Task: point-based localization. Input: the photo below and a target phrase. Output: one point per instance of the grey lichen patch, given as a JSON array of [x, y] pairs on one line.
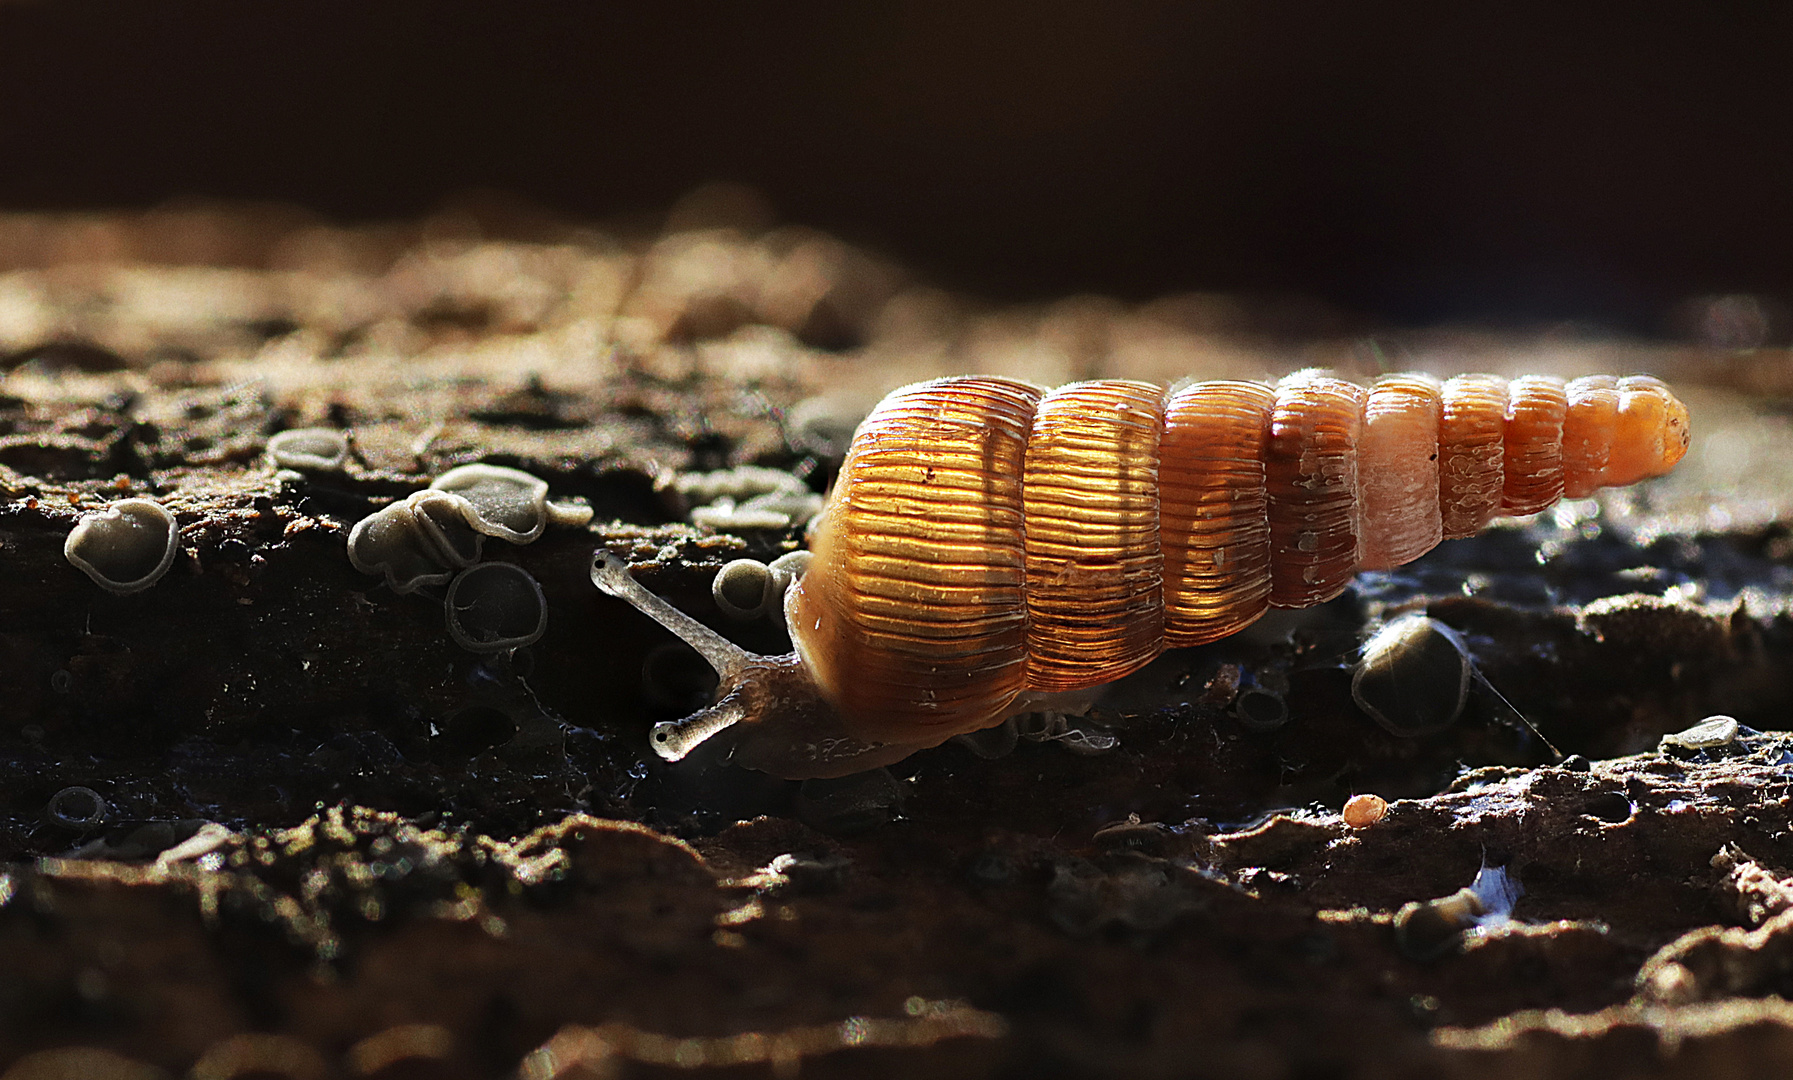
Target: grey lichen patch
[[309, 450], [507, 503], [495, 607], [760, 513], [126, 547], [739, 483], [419, 541], [748, 498]]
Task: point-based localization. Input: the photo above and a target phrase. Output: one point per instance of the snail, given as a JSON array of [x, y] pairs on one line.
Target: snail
[[991, 548]]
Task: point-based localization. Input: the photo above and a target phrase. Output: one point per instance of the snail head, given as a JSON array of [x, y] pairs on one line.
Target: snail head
[[768, 708]]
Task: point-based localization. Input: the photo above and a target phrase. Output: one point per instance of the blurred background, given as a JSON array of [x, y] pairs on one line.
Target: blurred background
[[1616, 169]]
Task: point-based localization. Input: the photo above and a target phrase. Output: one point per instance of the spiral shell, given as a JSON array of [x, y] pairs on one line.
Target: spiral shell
[[989, 544]]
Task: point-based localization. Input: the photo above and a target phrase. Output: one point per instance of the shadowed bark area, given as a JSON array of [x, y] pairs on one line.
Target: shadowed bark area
[[267, 814]]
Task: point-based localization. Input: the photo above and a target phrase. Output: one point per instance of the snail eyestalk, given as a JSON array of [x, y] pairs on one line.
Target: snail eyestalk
[[673, 739], [611, 576]]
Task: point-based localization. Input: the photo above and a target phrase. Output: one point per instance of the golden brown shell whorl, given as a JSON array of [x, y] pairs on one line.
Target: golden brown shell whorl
[[1089, 496], [1397, 471], [1589, 423], [1650, 432], [912, 616], [1532, 464], [1211, 510], [1311, 468], [1471, 447]]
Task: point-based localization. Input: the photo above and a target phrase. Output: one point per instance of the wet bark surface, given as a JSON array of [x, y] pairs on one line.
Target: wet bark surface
[[267, 817]]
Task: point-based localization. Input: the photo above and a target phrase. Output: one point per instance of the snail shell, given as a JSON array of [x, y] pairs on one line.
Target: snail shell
[[990, 545]]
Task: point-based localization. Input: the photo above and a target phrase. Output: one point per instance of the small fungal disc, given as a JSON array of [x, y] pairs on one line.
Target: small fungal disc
[[126, 547], [1414, 676], [744, 589], [1362, 811], [788, 568], [725, 516], [1711, 732], [576, 515], [1259, 709], [392, 543], [493, 607], [309, 450], [507, 503], [1426, 931], [77, 808]]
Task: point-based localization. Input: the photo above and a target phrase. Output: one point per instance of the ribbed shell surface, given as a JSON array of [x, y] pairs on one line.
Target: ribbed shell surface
[[1311, 468], [1532, 466], [1471, 449], [1089, 498], [1211, 497], [988, 541], [1397, 470], [913, 611], [1593, 412]]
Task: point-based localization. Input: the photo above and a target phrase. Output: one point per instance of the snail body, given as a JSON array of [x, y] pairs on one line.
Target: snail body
[[990, 546]]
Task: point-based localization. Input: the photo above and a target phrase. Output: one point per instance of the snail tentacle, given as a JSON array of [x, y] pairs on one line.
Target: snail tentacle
[[612, 576]]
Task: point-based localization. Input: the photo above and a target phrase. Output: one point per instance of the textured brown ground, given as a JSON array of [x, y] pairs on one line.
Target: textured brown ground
[[338, 845]]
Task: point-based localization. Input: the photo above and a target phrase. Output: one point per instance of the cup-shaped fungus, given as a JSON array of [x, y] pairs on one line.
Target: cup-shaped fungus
[[1414, 676], [747, 589], [494, 607], [419, 541], [309, 450], [743, 589], [79, 808], [507, 503], [445, 524], [126, 547]]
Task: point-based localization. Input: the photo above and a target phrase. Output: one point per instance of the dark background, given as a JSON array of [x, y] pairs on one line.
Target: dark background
[[1415, 161]]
